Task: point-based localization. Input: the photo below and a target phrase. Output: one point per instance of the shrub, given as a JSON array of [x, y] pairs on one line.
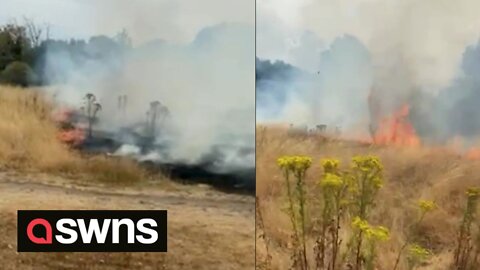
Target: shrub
[[416, 252], [297, 167], [18, 73], [334, 191], [352, 191]]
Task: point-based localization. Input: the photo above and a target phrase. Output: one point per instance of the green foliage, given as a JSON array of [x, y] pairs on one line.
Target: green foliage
[[366, 179], [349, 196], [15, 55], [334, 191], [14, 44], [29, 44], [373, 235], [416, 253], [465, 244], [18, 73], [297, 167], [6, 55], [342, 192]]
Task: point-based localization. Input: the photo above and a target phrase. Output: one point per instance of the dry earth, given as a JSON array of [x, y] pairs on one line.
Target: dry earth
[[207, 229]]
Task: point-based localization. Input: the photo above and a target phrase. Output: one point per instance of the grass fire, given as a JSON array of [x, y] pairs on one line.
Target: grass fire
[[152, 109], [367, 140]]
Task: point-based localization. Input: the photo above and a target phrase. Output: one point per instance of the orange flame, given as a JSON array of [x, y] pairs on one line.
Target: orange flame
[[397, 130], [473, 154], [73, 135]]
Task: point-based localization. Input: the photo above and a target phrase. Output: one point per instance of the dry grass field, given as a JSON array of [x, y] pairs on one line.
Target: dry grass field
[[29, 141], [208, 229], [410, 174]]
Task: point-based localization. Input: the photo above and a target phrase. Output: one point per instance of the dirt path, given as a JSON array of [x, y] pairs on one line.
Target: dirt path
[[207, 229]]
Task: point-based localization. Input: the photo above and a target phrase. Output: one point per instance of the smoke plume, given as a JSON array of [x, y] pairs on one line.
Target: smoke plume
[[207, 86], [420, 53]]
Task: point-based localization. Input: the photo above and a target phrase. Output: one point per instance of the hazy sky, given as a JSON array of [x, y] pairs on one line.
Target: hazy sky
[[173, 20], [431, 35]]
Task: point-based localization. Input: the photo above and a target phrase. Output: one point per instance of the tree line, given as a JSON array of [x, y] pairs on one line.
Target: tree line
[[26, 50]]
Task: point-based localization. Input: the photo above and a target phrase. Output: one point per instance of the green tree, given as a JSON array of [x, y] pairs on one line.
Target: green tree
[[18, 73]]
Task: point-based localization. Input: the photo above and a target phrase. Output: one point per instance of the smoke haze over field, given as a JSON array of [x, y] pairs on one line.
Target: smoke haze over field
[[428, 34], [410, 51], [195, 57], [206, 84], [331, 96], [177, 21]]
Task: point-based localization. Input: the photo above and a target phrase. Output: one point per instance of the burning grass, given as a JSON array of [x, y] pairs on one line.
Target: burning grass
[[396, 129], [29, 142], [411, 173]]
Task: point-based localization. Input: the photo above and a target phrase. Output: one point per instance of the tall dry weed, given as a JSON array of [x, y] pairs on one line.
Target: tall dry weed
[[412, 173], [29, 142]]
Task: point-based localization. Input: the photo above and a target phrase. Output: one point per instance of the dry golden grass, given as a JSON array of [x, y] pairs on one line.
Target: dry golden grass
[[410, 174], [29, 142], [207, 229], [28, 138], [113, 170]]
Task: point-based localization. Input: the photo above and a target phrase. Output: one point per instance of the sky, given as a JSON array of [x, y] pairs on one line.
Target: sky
[[173, 20], [431, 35]]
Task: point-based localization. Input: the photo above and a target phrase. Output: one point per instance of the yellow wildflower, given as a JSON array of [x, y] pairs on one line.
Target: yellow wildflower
[[380, 233], [294, 163], [426, 206], [473, 192], [331, 180], [360, 224], [302, 163], [367, 163], [330, 165], [377, 182], [375, 233], [371, 166], [283, 162], [418, 252]]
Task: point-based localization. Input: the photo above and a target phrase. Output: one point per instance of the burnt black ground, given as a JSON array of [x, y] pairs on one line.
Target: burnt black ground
[[241, 181]]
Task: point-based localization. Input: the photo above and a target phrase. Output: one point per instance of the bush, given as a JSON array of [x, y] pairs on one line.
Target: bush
[[18, 73], [347, 197]]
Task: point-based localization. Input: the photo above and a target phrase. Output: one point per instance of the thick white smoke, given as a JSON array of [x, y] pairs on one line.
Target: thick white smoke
[[207, 83], [431, 35]]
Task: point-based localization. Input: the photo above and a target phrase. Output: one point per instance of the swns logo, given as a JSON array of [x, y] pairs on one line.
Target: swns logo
[[91, 231]]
